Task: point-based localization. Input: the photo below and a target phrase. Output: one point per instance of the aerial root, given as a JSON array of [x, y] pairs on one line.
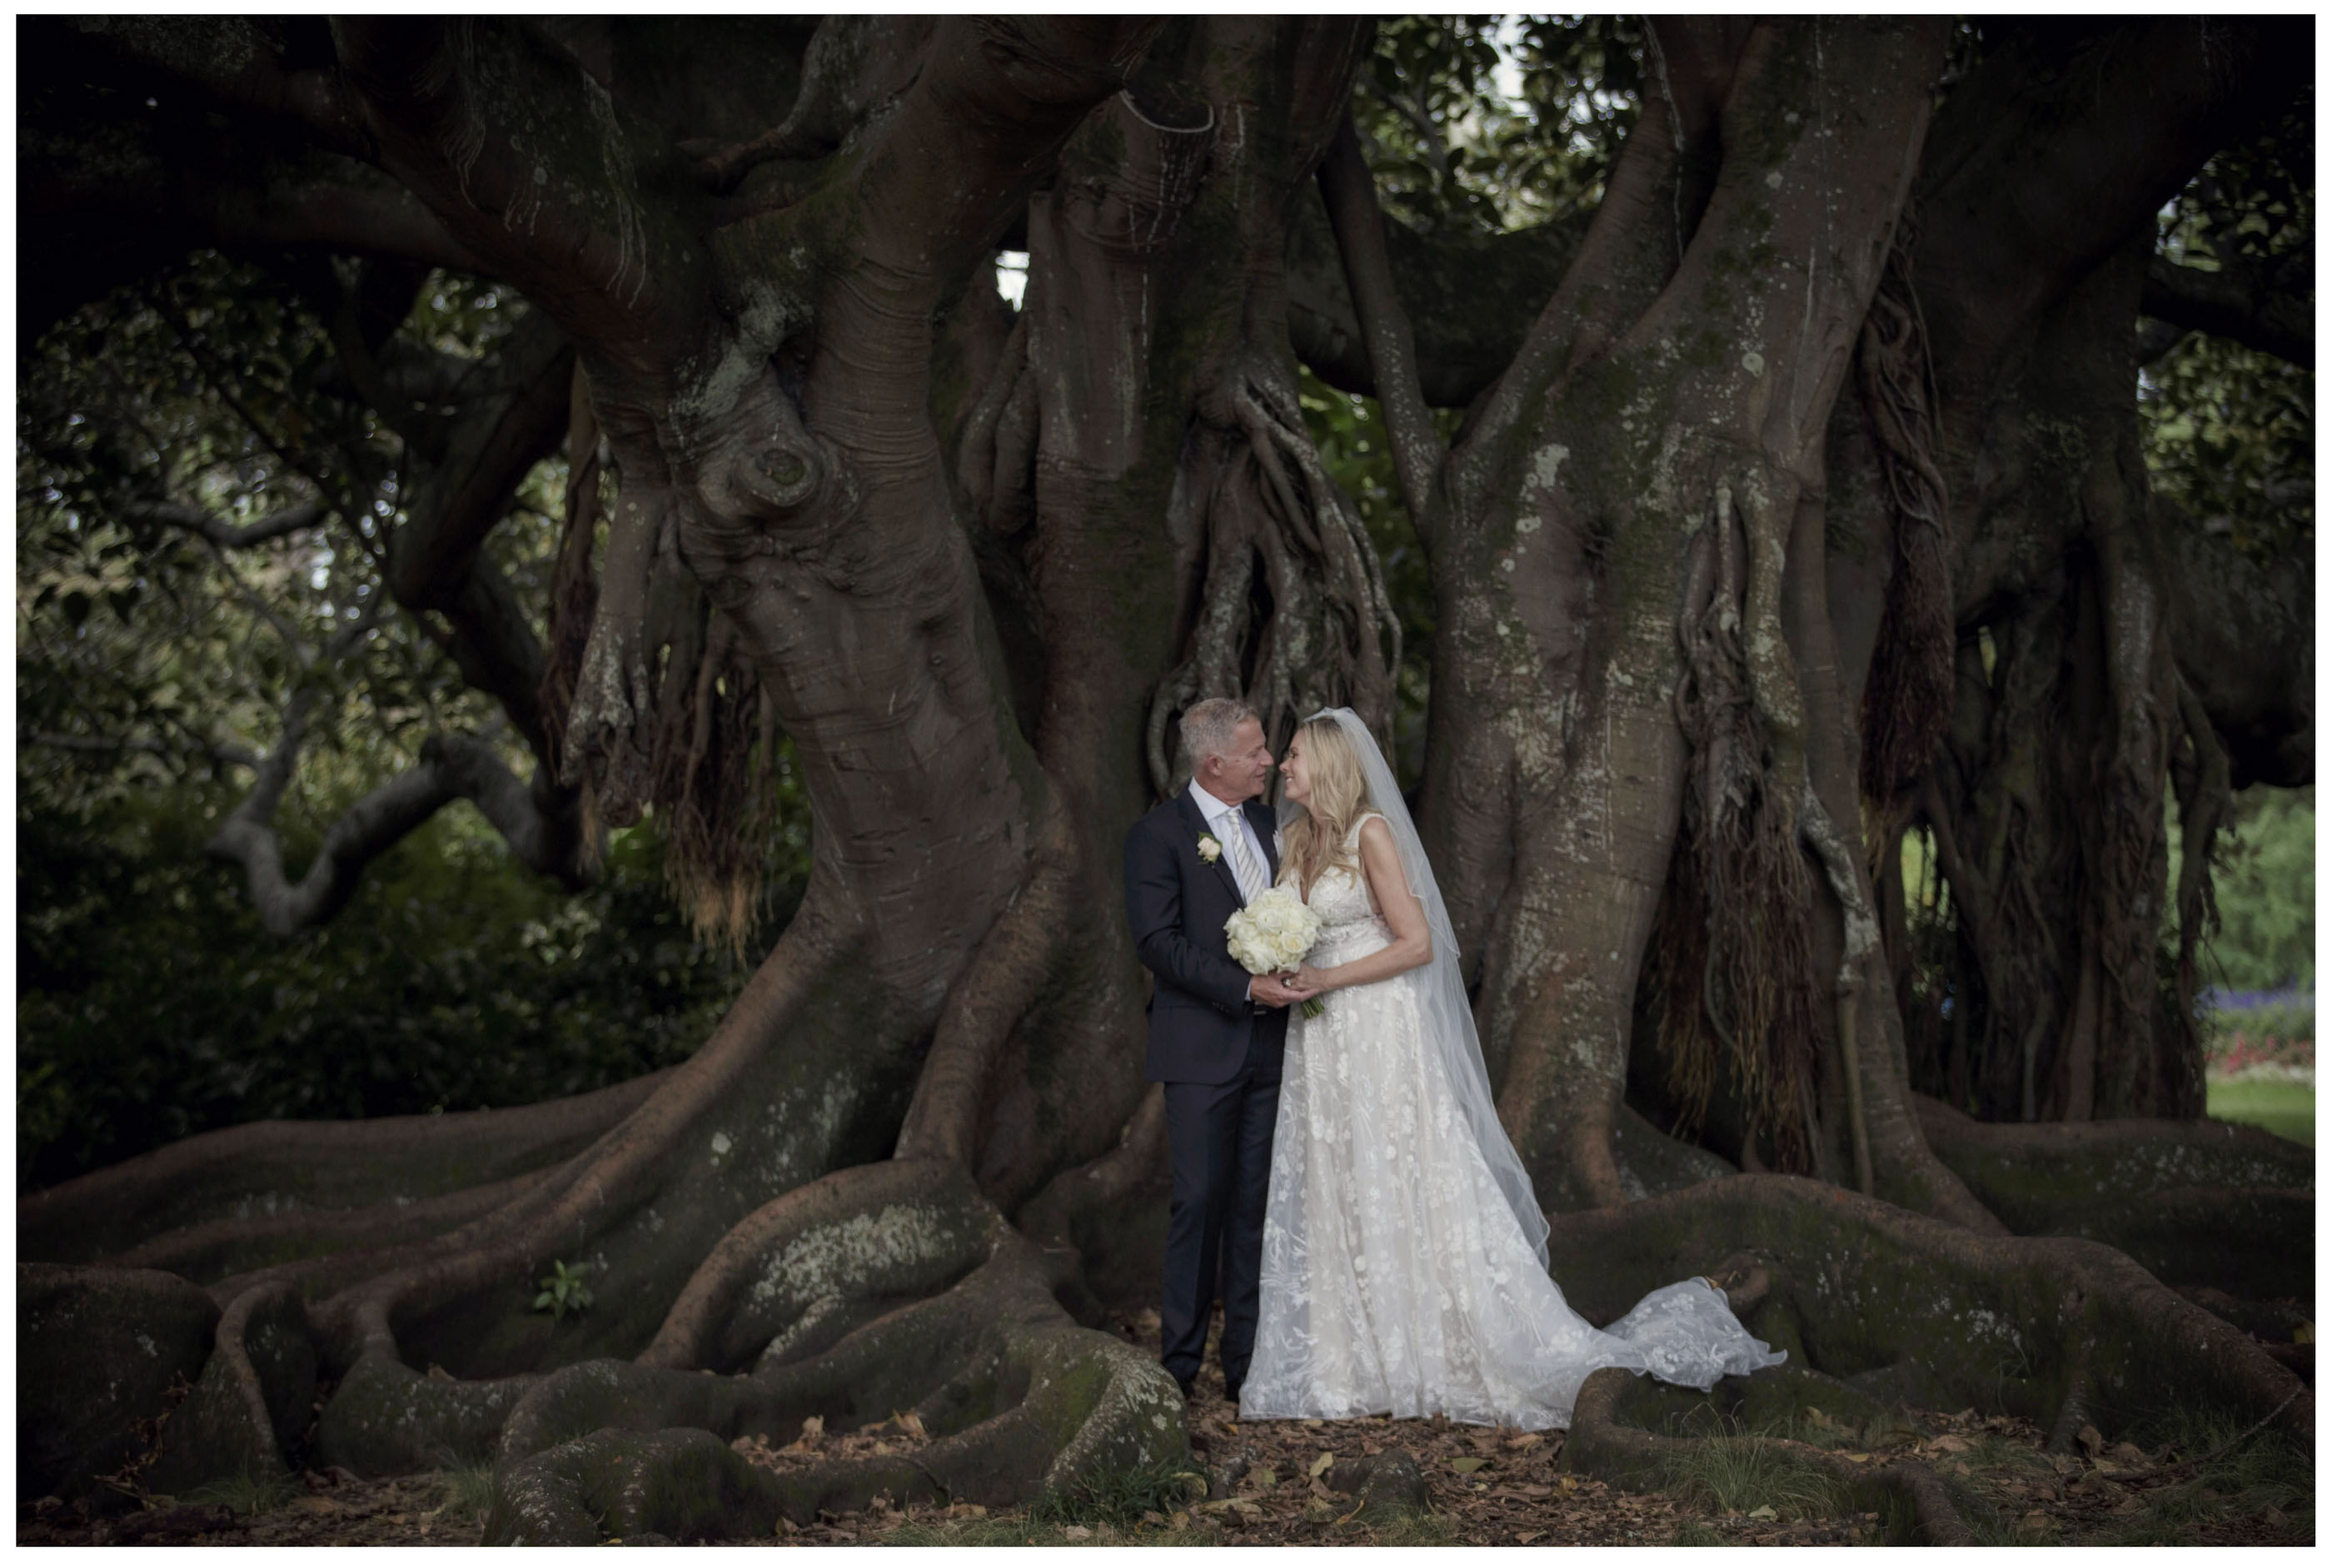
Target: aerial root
[[1331, 634]]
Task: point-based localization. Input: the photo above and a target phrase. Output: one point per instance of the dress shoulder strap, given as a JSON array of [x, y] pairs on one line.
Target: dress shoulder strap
[[1355, 836]]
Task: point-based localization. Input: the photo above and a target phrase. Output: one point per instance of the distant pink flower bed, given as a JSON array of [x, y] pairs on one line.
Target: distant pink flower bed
[[2234, 1052]]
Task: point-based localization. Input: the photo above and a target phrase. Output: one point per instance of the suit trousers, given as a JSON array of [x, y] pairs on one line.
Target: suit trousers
[[1219, 1135]]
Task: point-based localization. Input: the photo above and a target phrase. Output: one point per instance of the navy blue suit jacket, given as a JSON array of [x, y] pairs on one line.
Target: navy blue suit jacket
[[1201, 1023]]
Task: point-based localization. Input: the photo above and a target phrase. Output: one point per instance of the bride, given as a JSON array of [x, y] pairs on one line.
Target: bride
[[1404, 1258]]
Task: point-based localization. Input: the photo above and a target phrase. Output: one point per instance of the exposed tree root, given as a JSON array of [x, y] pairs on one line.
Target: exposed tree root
[[790, 1270], [97, 1350], [1603, 1442], [386, 1420], [638, 1175], [1020, 1399], [224, 1248], [984, 1004], [1110, 1214], [253, 1398], [1903, 1306], [2193, 1202], [245, 1175]]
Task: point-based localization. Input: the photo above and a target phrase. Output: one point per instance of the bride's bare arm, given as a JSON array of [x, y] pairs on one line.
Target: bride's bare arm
[[1412, 943]]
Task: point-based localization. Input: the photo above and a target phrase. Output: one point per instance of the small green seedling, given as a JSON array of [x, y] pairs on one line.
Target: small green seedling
[[563, 1290]]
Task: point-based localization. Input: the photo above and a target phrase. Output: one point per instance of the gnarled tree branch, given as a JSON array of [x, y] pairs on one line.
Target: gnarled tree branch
[[224, 534], [2235, 303], [452, 768]]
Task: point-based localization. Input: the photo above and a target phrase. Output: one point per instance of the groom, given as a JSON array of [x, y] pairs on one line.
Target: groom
[[1216, 1033]]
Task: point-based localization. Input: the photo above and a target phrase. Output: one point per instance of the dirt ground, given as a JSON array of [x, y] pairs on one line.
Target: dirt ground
[[1488, 1486]]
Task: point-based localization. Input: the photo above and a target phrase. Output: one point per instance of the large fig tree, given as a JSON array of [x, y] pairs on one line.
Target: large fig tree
[[1779, 493]]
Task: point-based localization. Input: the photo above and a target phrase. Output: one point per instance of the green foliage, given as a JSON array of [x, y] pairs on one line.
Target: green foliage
[[563, 1291], [215, 387], [152, 667], [2231, 432], [2266, 887], [1493, 122], [2230, 438], [151, 1005]]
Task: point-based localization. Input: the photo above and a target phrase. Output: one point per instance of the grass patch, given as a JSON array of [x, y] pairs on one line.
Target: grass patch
[[469, 1490], [1693, 1532], [1741, 1474], [1023, 1531], [1411, 1527], [1988, 1452], [246, 1493], [2286, 1110], [2265, 1478], [1121, 1497]]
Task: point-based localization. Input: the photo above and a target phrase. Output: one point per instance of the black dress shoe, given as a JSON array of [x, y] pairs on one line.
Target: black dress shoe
[[1188, 1388], [1231, 1391]]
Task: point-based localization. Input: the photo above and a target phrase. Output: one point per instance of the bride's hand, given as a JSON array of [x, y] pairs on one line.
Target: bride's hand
[[1311, 981]]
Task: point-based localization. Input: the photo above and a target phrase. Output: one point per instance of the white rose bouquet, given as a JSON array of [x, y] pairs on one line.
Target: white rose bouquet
[[1271, 936]]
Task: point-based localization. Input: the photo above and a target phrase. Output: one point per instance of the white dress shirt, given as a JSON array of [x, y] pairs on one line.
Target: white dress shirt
[[1227, 821]]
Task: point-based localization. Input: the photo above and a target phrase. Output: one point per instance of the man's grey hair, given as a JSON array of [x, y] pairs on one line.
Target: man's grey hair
[[1210, 727]]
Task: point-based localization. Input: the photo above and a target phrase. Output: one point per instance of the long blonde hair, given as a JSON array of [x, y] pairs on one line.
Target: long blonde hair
[[1314, 839]]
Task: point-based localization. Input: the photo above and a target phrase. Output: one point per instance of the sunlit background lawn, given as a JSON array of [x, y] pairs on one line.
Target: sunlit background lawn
[[2286, 1110]]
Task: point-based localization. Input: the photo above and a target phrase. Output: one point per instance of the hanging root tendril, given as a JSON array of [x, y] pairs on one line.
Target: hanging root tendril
[[1732, 967], [707, 764], [1907, 701], [1321, 631]]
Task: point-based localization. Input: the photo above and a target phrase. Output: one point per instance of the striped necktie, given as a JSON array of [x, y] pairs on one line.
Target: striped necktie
[[1243, 866]]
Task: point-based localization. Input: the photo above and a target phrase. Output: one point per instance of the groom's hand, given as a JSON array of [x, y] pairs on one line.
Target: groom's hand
[[1273, 992]]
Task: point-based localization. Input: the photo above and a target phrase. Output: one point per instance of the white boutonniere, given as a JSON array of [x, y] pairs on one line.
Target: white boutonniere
[[1210, 850]]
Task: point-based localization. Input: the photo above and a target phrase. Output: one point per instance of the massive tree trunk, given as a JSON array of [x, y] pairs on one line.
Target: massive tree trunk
[[971, 564]]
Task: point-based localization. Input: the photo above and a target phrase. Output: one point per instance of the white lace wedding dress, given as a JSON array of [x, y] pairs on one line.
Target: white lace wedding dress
[[1397, 1279]]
